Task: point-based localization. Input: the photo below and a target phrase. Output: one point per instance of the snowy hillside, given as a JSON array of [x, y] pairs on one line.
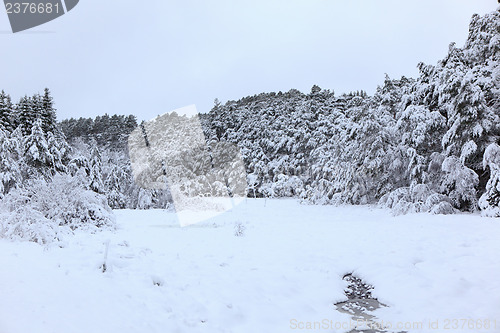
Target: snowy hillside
[[267, 266]]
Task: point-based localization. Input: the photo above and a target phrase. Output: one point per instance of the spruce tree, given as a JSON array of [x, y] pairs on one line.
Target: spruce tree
[[48, 112], [6, 110], [25, 115]]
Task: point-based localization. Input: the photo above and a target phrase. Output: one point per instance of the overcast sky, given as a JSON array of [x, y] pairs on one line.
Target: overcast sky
[[150, 57]]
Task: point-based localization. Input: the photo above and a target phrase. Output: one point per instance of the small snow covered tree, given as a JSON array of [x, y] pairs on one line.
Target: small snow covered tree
[[95, 171], [37, 152], [58, 150], [490, 200], [116, 199], [10, 163], [144, 199]]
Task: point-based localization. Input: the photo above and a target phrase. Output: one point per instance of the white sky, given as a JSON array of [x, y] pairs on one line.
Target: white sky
[[150, 57]]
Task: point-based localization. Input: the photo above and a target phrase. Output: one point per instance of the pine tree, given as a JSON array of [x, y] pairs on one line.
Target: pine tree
[[315, 90], [48, 112], [130, 123]]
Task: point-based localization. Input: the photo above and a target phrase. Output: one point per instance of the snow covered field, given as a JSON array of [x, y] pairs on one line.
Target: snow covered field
[[272, 266]]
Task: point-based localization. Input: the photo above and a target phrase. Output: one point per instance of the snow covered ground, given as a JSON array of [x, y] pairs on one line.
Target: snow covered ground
[[272, 266]]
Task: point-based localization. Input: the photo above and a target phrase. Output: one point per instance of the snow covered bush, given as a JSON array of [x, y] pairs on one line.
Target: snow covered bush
[[443, 208], [25, 223], [391, 199], [459, 184], [400, 201], [41, 210], [239, 229], [286, 186], [415, 199], [322, 193], [490, 200]]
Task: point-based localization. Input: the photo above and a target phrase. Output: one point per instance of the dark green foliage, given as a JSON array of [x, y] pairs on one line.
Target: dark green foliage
[[109, 132]]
